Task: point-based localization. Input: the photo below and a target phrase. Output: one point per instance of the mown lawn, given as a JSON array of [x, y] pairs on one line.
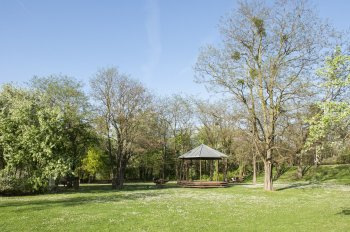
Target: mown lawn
[[142, 207]]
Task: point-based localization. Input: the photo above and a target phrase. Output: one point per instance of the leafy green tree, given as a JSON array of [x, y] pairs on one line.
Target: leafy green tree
[[66, 94], [334, 109], [92, 163], [28, 139]]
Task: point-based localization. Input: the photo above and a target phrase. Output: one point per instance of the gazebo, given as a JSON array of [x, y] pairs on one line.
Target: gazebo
[[199, 154]]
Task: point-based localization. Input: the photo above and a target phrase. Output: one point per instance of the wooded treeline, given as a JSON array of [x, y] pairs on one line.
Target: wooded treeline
[[283, 75]]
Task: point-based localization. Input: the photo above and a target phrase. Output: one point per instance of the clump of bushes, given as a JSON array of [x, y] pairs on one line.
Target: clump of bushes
[[11, 184], [344, 159]]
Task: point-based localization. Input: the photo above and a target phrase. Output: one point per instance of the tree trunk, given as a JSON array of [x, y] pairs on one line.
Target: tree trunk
[[176, 160], [111, 159], [268, 172], [76, 182], [300, 167], [164, 159], [121, 173], [114, 178], [121, 178], [317, 158], [241, 169], [254, 168]]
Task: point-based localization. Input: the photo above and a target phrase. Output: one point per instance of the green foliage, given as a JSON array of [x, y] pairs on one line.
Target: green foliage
[[284, 38], [93, 161], [253, 73], [74, 130], [10, 184], [44, 133], [333, 110], [236, 55], [240, 81], [28, 139], [344, 159], [259, 25]]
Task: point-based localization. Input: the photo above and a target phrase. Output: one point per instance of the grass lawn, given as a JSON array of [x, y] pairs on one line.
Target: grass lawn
[[142, 207]]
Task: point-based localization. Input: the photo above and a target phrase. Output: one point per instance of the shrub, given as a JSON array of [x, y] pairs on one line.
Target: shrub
[[344, 159], [11, 184]]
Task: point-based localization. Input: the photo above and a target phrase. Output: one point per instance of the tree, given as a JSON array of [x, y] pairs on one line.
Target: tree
[[66, 95], [29, 141], [334, 109], [180, 119], [264, 63], [92, 162], [216, 128], [163, 133], [123, 104]]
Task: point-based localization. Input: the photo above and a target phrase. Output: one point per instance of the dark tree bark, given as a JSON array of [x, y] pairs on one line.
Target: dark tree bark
[[254, 168]]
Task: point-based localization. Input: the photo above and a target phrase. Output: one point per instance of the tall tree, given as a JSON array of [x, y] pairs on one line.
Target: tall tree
[[334, 109], [123, 103], [180, 118], [31, 137], [66, 94], [265, 60]]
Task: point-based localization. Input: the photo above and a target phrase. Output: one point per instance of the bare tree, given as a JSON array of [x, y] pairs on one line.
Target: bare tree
[[216, 127], [180, 119], [265, 61], [123, 103]]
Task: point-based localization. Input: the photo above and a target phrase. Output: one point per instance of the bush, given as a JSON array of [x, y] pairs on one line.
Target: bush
[[330, 160], [344, 159], [12, 185], [9, 185]]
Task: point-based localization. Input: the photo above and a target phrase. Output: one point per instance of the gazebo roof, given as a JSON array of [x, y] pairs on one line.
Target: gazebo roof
[[203, 152]]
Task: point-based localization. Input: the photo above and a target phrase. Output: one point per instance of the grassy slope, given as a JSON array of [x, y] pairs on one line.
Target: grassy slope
[[335, 174], [142, 207]]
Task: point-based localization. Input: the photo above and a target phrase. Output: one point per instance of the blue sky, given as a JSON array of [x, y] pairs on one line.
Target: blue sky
[[156, 42]]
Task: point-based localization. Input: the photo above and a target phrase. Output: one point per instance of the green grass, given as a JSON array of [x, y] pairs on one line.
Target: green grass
[[142, 207], [339, 174], [334, 174]]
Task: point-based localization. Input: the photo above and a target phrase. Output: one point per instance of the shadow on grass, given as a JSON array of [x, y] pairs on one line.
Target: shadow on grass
[[87, 194], [45, 204], [344, 212], [103, 188], [128, 187], [292, 186]]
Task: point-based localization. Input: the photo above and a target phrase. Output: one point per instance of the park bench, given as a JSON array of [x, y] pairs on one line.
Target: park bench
[[159, 181], [237, 179]]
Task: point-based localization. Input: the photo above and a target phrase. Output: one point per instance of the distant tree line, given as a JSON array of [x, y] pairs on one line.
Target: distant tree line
[[283, 76]]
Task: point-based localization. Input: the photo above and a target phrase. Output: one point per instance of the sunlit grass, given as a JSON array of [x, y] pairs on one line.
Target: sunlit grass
[[335, 174], [143, 207]]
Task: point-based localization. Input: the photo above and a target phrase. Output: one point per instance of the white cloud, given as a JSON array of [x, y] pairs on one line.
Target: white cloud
[[21, 4], [154, 39]]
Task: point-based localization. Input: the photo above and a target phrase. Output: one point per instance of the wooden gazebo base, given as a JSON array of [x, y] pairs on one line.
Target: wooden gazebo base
[[202, 184]]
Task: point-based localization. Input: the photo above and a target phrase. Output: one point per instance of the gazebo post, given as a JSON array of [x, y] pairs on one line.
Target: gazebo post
[[187, 171], [225, 170], [217, 176], [182, 170]]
